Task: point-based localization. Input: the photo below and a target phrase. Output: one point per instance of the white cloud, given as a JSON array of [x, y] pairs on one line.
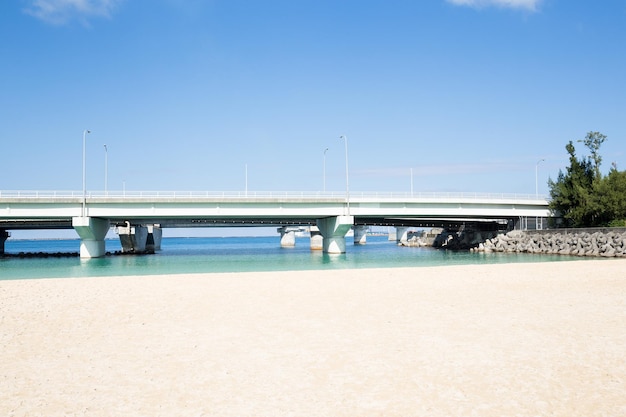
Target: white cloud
[[530, 5], [59, 12]]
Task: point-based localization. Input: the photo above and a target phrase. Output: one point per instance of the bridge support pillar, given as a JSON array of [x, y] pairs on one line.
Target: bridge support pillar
[[133, 239], [334, 231], [360, 235], [153, 241], [92, 231], [4, 235], [287, 236], [317, 240], [402, 234]]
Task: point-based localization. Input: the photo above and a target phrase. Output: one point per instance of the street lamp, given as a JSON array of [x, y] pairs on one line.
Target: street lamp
[[324, 172], [345, 139], [106, 168], [536, 183], [84, 172]]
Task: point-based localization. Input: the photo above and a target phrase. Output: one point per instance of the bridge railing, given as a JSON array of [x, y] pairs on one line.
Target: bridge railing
[[38, 194]]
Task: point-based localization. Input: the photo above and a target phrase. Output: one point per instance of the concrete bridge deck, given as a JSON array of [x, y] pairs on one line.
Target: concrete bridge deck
[[70, 209]]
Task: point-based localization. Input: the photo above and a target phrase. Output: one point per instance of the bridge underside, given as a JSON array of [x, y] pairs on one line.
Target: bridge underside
[[36, 224], [445, 223], [448, 223]]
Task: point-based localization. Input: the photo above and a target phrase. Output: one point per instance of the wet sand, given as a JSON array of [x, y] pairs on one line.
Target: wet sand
[[544, 339]]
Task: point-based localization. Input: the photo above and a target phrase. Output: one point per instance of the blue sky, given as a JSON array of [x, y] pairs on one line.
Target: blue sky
[[468, 95]]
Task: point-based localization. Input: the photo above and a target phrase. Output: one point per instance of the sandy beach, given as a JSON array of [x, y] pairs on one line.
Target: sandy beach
[[542, 339]]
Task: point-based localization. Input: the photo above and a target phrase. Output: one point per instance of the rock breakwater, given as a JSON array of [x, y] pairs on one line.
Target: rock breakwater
[[465, 239], [601, 243]]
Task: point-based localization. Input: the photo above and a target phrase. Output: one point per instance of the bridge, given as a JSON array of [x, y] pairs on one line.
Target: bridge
[[333, 213]]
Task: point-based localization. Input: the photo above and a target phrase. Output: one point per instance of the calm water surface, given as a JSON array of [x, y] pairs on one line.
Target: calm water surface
[[235, 254]]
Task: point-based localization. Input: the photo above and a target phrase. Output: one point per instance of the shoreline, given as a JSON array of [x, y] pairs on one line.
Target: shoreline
[[525, 339]]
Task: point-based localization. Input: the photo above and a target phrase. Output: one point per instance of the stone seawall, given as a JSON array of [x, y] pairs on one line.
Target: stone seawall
[[574, 242]]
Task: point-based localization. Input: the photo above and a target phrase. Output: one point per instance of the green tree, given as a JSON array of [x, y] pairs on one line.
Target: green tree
[[582, 196], [571, 193], [593, 141], [611, 197]]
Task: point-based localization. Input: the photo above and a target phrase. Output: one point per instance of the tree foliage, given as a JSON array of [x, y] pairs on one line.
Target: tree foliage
[[593, 141], [611, 192], [582, 196]]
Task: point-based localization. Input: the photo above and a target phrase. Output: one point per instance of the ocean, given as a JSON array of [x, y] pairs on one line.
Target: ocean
[[234, 254]]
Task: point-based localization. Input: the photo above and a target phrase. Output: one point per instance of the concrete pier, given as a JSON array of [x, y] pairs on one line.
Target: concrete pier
[[317, 240], [360, 235], [92, 231], [153, 241], [334, 231], [287, 236], [402, 234], [4, 235], [133, 238]]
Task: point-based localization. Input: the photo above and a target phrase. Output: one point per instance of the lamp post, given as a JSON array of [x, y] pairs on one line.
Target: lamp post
[[536, 181], [84, 171], [324, 171], [106, 169], [345, 139]]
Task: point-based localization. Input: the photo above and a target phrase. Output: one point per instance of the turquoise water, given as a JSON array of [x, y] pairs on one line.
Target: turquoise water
[[235, 254]]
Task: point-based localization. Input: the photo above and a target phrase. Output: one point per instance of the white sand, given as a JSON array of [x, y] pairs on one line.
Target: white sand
[[546, 339]]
